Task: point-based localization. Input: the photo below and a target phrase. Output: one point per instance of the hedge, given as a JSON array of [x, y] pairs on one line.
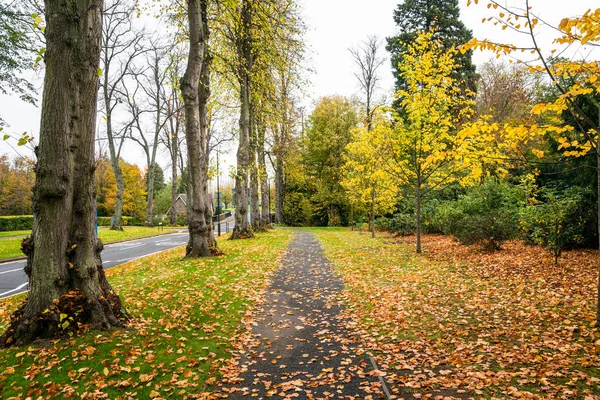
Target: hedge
[[105, 221], [16, 223]]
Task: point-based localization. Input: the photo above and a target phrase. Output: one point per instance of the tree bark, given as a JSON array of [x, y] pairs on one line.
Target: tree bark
[[262, 173], [279, 187], [199, 229], [242, 227], [418, 213], [63, 250], [598, 216], [149, 195], [174, 150], [254, 188], [203, 95]]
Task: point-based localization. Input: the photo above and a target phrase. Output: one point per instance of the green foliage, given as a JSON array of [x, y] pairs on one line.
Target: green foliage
[[17, 50], [162, 200], [487, 215], [16, 223], [329, 132], [159, 179], [559, 221], [412, 16], [400, 224], [297, 210]]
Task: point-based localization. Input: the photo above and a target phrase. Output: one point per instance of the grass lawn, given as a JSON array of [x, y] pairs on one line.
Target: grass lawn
[[11, 247], [510, 325], [186, 317]]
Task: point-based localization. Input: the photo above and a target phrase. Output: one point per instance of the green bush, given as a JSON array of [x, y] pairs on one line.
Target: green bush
[[105, 221], [297, 210], [560, 221], [486, 215], [400, 224], [16, 223]]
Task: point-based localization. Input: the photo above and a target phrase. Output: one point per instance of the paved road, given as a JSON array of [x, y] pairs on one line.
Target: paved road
[[13, 279]]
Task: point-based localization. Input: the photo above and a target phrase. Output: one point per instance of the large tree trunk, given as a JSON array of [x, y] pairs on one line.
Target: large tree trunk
[[372, 210], [598, 216], [63, 250], [254, 192], [198, 245], [204, 95], [242, 227]]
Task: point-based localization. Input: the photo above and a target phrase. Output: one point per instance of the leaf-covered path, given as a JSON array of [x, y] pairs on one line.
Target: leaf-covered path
[[301, 347]]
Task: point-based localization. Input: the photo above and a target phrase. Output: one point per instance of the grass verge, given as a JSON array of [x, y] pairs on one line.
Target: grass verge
[[11, 247], [465, 329], [186, 314]]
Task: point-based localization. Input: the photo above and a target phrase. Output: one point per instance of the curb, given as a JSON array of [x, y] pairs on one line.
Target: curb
[[9, 260]]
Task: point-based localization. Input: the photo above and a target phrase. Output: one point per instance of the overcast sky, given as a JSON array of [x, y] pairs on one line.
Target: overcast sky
[[333, 27]]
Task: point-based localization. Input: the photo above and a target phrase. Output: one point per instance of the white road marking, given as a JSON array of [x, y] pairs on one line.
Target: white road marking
[[15, 289], [11, 270], [12, 262]]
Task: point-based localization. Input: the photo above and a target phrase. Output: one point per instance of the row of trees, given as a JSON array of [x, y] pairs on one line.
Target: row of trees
[[235, 54]]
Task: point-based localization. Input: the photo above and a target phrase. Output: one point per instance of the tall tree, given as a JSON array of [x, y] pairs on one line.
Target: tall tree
[[426, 147], [413, 16], [194, 97], [329, 132], [122, 44], [63, 252], [149, 86], [367, 59]]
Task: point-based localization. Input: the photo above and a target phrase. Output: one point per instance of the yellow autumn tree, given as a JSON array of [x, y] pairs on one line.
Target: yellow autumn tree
[[366, 180], [577, 81], [427, 149]]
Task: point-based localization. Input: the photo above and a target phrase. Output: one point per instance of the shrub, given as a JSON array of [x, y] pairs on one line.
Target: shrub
[[559, 222], [297, 210], [402, 224], [16, 223], [486, 215]]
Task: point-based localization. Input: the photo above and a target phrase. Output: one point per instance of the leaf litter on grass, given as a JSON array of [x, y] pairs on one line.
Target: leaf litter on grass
[[458, 323], [185, 316]]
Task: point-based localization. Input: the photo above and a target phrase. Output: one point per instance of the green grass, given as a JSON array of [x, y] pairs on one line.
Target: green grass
[[186, 319], [11, 247], [14, 233]]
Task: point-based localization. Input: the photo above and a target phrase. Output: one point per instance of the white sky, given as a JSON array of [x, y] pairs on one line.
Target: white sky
[[335, 26]]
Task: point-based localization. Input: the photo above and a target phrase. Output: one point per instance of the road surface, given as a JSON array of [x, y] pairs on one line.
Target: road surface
[[13, 279]]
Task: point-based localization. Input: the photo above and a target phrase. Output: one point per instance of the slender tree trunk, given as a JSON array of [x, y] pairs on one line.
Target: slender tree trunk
[[418, 214], [198, 245], [63, 251], [262, 173], [117, 219], [204, 95], [150, 195], [279, 188], [254, 189], [174, 151], [373, 210], [242, 227]]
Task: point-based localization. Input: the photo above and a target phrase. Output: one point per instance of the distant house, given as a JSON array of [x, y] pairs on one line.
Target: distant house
[[181, 205]]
